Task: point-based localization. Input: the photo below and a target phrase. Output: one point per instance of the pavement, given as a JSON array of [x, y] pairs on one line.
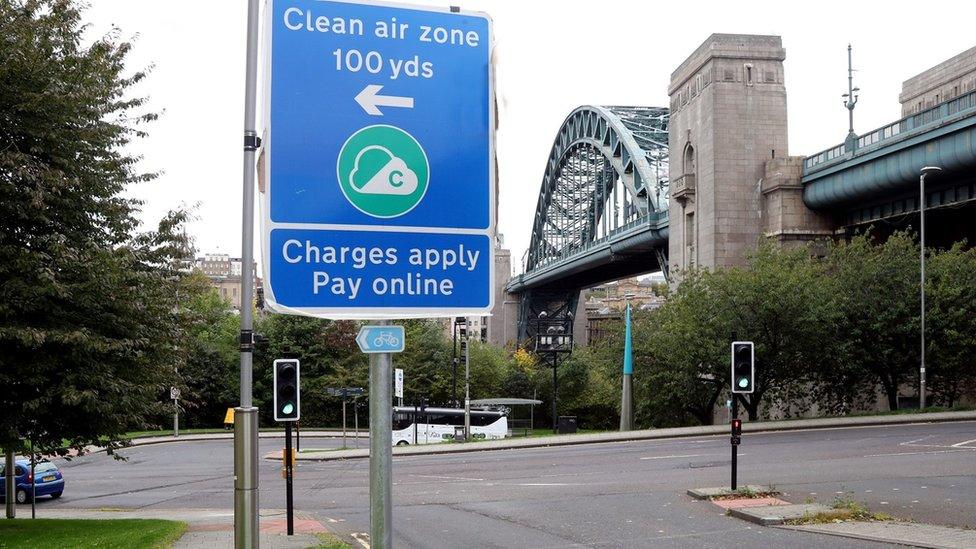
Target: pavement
[[896, 532], [616, 494], [206, 528], [772, 511]]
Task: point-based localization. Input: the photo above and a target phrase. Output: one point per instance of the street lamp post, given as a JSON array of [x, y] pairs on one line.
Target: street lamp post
[[927, 170], [554, 336]]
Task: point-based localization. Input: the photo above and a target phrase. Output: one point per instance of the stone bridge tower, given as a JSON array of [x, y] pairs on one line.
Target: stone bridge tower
[[728, 119]]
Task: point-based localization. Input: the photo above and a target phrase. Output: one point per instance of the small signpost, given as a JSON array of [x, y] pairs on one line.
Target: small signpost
[[398, 384], [174, 395], [345, 393]]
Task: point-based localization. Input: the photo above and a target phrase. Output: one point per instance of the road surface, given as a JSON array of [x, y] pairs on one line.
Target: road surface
[[599, 495]]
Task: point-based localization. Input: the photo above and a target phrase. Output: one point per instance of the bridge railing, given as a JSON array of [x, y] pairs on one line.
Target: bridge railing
[[911, 123], [568, 253]]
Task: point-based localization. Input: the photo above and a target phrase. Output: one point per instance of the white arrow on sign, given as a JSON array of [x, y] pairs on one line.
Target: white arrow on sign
[[369, 99], [362, 339]]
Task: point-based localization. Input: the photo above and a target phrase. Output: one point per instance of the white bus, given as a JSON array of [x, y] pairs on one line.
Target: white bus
[[414, 426]]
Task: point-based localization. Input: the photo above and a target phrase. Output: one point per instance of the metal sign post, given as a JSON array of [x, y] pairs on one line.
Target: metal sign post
[[246, 532], [380, 447]]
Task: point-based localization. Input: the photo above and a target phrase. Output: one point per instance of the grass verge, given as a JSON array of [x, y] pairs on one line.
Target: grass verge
[[104, 534], [329, 541], [843, 509], [746, 492]]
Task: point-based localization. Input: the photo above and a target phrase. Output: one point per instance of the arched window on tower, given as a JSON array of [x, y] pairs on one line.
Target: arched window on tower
[[688, 164]]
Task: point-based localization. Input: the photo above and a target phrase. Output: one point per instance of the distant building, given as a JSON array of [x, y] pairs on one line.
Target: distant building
[[225, 274], [604, 305], [497, 328]]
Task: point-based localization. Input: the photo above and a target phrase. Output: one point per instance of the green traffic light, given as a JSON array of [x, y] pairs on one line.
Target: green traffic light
[[743, 382], [287, 409]]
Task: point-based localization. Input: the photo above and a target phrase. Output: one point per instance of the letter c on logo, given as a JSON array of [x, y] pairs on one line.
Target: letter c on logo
[[396, 178]]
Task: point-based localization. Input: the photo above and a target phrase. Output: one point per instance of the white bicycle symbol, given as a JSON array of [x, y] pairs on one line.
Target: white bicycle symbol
[[387, 338]]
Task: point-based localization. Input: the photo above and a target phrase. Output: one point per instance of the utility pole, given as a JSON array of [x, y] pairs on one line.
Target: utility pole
[[246, 415]]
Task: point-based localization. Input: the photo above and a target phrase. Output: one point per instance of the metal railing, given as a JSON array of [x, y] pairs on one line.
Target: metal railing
[[909, 124], [572, 252]]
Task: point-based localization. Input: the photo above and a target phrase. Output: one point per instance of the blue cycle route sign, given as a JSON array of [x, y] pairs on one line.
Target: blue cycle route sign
[[379, 174], [380, 339]]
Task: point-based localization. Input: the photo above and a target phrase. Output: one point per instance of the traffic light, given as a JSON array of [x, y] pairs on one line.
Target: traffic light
[[286, 390], [743, 367]]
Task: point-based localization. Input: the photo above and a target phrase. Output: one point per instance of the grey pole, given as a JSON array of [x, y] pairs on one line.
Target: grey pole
[[380, 449], [467, 389], [626, 404], [921, 258], [344, 419], [176, 417], [246, 416], [10, 484]]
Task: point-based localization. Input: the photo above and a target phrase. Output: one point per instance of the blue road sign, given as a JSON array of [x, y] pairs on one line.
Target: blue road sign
[[380, 339], [379, 171]]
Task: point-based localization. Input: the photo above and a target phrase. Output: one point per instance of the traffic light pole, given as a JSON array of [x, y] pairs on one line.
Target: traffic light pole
[[289, 491], [381, 449], [246, 416], [735, 447]]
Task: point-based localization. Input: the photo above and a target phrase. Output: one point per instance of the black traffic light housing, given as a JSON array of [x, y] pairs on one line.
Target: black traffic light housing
[[743, 367], [287, 393]]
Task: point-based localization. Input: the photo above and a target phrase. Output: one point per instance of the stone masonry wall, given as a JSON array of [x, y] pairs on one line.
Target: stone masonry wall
[[942, 82], [728, 106]]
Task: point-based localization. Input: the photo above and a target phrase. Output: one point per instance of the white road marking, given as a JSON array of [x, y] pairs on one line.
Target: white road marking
[[546, 484], [362, 538], [917, 453], [333, 521], [912, 442], [448, 478], [964, 444], [678, 456]]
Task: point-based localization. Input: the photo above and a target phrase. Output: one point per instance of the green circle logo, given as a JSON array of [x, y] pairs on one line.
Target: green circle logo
[[383, 171]]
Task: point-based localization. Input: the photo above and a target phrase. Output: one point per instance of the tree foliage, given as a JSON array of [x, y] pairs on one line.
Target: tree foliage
[[86, 311]]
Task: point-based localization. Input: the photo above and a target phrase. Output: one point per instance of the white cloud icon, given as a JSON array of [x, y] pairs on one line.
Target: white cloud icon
[[393, 178]]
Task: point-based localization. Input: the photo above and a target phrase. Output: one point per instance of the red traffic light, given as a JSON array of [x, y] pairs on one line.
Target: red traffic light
[[736, 426]]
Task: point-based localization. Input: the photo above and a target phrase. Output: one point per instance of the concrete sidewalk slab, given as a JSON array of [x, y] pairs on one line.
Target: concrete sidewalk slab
[[902, 533], [647, 434], [774, 515]]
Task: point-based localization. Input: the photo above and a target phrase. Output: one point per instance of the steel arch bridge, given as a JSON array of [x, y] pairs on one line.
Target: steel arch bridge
[[602, 212]]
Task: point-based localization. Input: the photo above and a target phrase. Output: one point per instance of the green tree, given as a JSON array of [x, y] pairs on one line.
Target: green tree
[[951, 332], [874, 291], [86, 311], [208, 368]]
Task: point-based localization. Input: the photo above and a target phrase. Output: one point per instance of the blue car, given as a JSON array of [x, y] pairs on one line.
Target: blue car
[[49, 480]]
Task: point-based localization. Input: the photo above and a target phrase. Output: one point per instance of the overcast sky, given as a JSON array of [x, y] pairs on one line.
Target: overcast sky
[[552, 57]]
